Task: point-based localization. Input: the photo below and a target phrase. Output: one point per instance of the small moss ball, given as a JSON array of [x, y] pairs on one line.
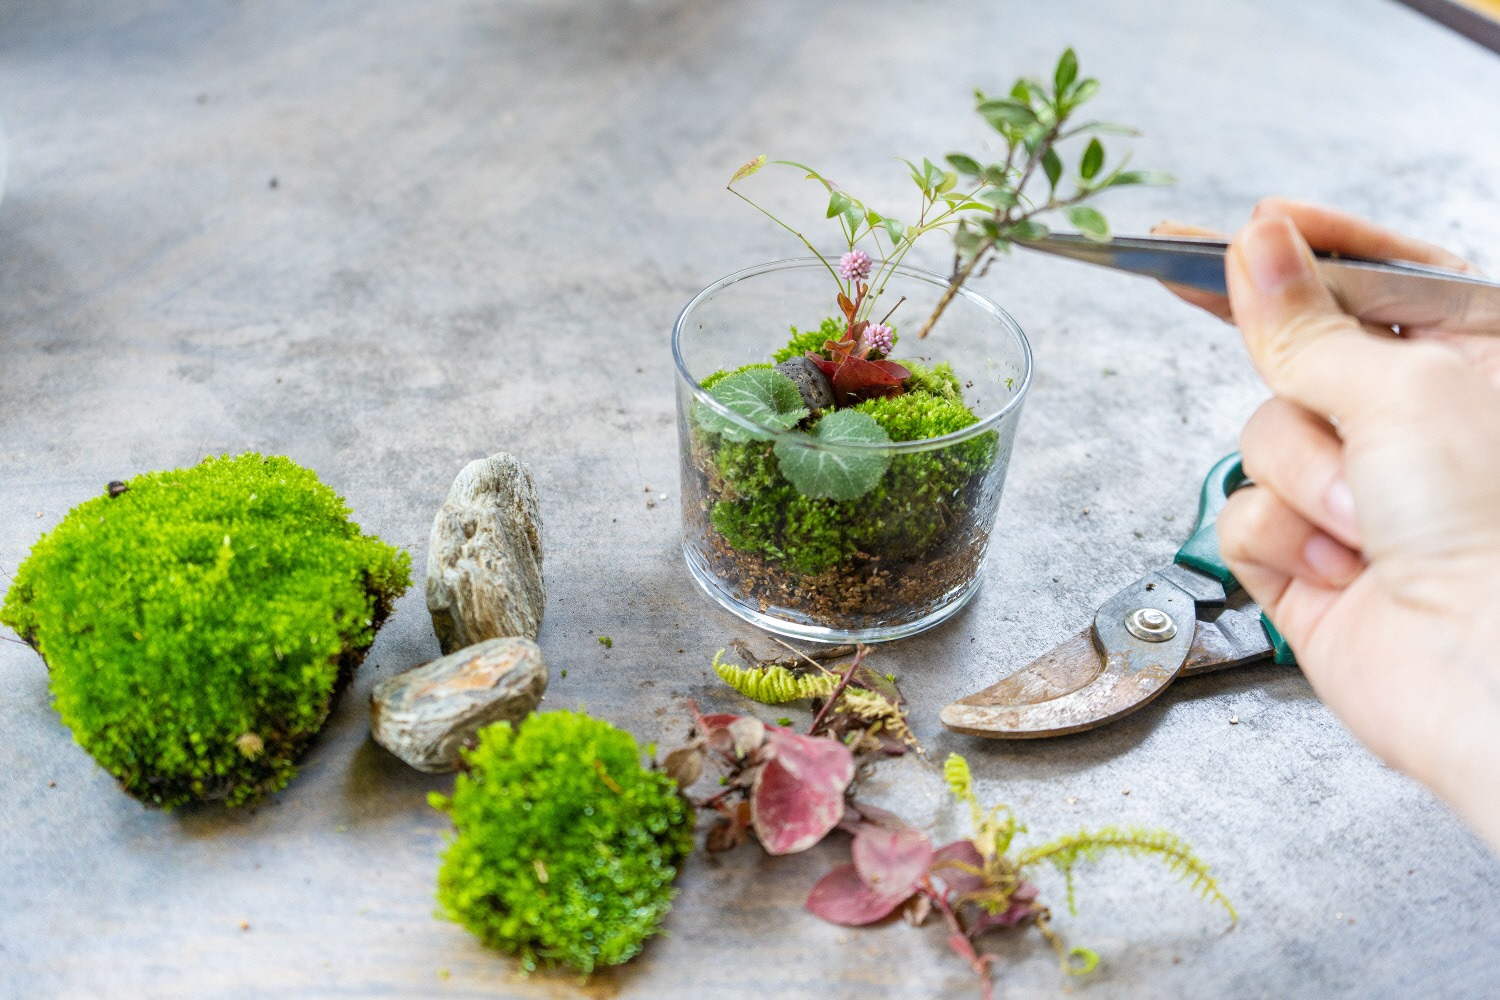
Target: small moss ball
[[566, 847], [197, 623]]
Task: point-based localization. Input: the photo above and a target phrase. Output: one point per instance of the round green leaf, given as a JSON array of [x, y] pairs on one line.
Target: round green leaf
[[761, 395], [834, 472]]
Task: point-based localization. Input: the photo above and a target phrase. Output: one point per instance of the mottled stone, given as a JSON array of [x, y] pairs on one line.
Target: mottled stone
[[427, 715], [484, 563], [817, 391]]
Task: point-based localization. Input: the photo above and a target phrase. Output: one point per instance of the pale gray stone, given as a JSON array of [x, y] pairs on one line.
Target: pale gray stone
[[484, 564], [427, 715]]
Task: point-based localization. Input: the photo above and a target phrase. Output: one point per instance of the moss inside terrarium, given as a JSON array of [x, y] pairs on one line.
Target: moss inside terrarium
[[907, 512]]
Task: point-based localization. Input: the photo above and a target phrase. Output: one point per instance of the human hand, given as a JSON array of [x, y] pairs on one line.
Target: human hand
[[1372, 535]]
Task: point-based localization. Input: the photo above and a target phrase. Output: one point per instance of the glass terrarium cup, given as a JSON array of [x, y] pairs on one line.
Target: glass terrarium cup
[[907, 552]]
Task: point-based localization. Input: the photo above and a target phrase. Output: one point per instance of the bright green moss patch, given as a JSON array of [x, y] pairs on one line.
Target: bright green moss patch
[[197, 625], [809, 340], [566, 848]]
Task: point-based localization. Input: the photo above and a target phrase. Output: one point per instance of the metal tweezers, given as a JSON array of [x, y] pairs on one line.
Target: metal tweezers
[[1382, 292]]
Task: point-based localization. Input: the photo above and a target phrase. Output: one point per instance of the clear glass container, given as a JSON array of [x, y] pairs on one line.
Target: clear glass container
[[903, 556]]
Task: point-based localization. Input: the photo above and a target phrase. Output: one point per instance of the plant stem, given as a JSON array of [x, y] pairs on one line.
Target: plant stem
[[838, 691], [953, 285], [783, 225]]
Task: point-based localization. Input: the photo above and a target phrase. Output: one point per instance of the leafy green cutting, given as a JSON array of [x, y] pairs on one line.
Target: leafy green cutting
[[762, 396], [835, 472]]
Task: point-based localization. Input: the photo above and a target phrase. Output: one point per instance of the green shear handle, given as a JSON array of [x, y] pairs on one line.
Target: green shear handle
[[1201, 550]]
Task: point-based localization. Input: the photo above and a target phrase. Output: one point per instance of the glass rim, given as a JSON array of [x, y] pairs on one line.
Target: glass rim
[[803, 439]]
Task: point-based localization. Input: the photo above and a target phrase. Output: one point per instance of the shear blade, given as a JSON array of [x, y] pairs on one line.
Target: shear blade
[[1098, 675]]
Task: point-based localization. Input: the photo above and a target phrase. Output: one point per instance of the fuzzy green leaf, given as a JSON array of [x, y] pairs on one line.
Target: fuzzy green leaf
[[1126, 177], [1002, 113], [1028, 230], [966, 165], [1089, 222], [1093, 159], [1066, 72], [748, 169], [1052, 164], [825, 469], [761, 395]]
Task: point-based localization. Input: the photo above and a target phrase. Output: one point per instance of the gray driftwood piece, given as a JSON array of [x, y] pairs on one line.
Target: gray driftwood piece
[[426, 715], [484, 564]]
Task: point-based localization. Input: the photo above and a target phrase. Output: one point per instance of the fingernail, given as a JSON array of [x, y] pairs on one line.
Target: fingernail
[[1273, 256], [1330, 560], [1339, 501]]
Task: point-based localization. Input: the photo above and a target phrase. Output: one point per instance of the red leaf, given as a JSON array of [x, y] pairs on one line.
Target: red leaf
[[846, 305], [858, 379], [798, 794], [840, 897], [824, 365], [892, 861], [891, 368], [949, 862]]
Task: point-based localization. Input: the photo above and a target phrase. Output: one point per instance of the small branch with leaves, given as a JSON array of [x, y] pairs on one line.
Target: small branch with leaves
[[987, 207]]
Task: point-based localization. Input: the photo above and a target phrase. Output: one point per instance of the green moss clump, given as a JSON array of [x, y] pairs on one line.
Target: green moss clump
[[566, 848], [721, 375], [809, 340], [197, 625]]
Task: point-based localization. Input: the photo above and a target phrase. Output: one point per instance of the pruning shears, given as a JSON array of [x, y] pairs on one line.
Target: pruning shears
[[1190, 617]]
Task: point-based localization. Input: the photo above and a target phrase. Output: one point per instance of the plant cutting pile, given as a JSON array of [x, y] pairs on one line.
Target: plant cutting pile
[[197, 623], [791, 790], [800, 484]]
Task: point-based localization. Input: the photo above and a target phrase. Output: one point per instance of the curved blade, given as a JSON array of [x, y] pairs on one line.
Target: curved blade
[[1098, 675]]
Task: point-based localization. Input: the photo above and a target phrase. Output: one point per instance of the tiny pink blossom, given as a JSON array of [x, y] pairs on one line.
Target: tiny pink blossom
[[878, 337], [854, 266]]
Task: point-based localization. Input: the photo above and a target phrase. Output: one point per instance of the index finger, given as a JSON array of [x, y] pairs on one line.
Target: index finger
[[1339, 232]]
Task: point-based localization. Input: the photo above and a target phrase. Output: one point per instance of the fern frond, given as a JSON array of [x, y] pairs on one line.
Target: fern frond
[[960, 779], [874, 707], [1066, 852], [775, 685]]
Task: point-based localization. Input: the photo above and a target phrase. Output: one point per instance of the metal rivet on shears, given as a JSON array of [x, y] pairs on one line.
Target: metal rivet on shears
[[1150, 624]]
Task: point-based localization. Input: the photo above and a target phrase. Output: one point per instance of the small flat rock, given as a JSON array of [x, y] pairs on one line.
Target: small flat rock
[[484, 563], [426, 715]]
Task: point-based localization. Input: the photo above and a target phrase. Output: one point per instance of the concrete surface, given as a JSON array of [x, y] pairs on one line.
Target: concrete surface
[[387, 238]]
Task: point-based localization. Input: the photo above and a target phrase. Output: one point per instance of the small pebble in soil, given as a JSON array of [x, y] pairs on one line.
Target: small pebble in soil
[[115, 487], [1125, 791], [650, 502], [811, 383], [1234, 720]]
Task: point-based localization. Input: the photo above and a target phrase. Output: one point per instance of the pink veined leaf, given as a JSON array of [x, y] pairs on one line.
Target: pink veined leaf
[[887, 866], [952, 863], [798, 794], [892, 861], [842, 897]]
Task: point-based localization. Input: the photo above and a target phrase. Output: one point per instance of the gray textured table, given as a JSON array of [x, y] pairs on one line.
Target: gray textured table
[[387, 238]]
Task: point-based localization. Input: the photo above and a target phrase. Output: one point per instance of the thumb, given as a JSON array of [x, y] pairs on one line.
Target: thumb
[[1307, 349]]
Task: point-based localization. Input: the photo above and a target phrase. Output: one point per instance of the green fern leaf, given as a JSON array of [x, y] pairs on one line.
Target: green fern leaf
[[1066, 852], [774, 685]]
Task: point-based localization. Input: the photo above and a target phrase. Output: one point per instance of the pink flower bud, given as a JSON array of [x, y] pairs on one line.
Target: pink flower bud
[[854, 266]]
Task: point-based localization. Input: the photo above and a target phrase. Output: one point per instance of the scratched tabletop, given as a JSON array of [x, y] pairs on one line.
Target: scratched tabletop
[[388, 238]]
